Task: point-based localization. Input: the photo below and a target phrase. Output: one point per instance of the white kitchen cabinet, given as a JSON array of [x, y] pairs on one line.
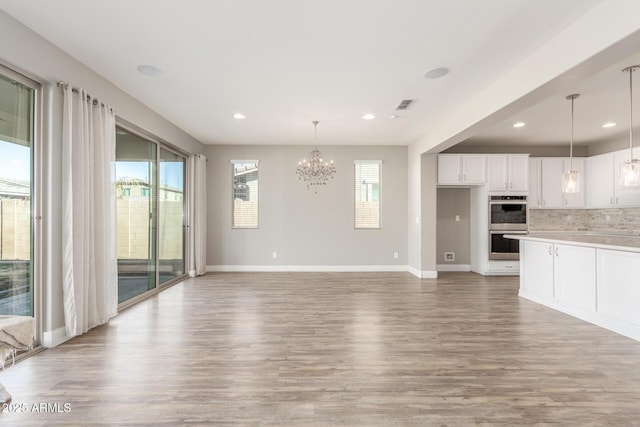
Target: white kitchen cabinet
[[551, 171], [461, 169], [449, 169], [508, 173], [534, 200], [600, 181], [575, 276], [563, 273], [536, 269], [623, 198], [618, 290], [603, 185]]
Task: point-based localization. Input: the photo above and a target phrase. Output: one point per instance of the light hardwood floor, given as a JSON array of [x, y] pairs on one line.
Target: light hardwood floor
[[335, 349]]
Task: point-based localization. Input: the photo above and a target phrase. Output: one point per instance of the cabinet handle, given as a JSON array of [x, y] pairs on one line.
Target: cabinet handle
[[565, 202], [543, 202], [617, 201], [538, 201], [510, 185], [611, 201], [556, 251], [505, 185], [550, 251], [464, 177]]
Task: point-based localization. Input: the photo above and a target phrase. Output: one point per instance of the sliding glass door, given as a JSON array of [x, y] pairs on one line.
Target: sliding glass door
[[150, 214], [136, 166], [17, 130], [171, 215]]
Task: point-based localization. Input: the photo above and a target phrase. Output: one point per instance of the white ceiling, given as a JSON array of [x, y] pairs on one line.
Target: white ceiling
[[284, 63]]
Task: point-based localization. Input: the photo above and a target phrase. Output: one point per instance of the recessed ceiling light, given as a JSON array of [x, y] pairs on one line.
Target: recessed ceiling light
[[436, 73], [518, 124], [608, 125], [149, 70], [368, 117], [239, 116], [393, 116]]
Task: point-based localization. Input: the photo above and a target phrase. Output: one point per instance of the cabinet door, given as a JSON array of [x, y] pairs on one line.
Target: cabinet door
[[575, 276], [618, 290], [474, 169], [575, 200], [534, 201], [449, 169], [551, 170], [624, 198], [537, 269], [600, 181], [497, 173], [518, 173]]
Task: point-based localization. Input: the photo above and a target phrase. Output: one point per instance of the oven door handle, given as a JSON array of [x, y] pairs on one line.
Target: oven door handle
[[508, 202]]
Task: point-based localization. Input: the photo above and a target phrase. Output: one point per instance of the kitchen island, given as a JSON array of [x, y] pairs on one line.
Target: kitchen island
[[594, 277]]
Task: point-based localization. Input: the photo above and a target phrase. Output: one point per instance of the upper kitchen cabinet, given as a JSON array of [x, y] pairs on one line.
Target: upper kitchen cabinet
[[462, 169], [603, 189], [545, 183], [508, 173]]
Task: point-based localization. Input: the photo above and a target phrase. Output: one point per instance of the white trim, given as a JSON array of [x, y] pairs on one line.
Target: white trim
[[244, 161], [307, 268], [453, 267], [54, 338], [414, 271], [429, 274], [367, 162]]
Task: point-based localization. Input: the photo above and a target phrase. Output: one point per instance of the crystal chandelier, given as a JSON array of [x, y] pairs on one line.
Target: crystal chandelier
[[315, 171]]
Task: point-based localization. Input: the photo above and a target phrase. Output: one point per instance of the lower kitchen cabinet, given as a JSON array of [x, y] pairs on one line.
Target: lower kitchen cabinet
[[619, 286], [575, 276], [536, 268], [593, 283], [561, 272]]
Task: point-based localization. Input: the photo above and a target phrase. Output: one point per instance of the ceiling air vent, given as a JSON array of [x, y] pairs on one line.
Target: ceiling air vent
[[405, 104]]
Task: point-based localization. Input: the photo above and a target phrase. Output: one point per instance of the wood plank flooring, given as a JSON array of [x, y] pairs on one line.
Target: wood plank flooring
[[325, 349]]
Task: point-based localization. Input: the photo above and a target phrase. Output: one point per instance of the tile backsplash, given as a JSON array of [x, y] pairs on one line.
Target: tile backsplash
[[623, 220]]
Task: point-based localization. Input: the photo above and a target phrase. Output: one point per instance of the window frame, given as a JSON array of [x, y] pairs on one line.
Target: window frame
[[233, 176], [356, 163]]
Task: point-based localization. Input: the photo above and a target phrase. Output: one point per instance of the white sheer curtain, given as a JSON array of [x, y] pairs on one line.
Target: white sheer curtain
[[90, 271], [197, 215]]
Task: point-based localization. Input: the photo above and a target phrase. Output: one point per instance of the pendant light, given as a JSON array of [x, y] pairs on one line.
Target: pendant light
[[630, 169], [571, 178]]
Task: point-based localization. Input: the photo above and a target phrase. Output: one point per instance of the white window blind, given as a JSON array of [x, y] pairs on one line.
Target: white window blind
[[367, 193], [245, 193]]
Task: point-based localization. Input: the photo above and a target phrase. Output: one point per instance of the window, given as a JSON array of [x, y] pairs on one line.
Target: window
[[367, 193], [245, 194]]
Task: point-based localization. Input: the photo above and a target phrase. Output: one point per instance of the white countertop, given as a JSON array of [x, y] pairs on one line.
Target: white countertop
[[592, 240]]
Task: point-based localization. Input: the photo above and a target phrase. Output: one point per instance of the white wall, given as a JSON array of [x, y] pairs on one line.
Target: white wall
[[26, 52], [304, 228]]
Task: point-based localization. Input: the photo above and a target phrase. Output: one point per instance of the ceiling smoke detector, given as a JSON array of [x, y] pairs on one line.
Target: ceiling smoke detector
[[436, 73]]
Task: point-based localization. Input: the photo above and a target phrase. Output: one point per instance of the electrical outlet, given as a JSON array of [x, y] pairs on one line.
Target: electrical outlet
[[395, 255], [449, 256], [274, 255], [457, 218]]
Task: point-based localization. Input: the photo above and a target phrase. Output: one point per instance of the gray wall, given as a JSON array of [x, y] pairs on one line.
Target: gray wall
[[428, 208], [453, 236], [26, 52], [304, 228]]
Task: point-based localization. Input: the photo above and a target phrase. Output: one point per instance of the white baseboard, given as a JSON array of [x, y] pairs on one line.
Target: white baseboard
[[307, 268], [54, 338], [453, 267], [427, 274]]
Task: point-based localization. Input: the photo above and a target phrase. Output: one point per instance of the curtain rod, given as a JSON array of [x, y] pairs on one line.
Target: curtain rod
[[88, 96]]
